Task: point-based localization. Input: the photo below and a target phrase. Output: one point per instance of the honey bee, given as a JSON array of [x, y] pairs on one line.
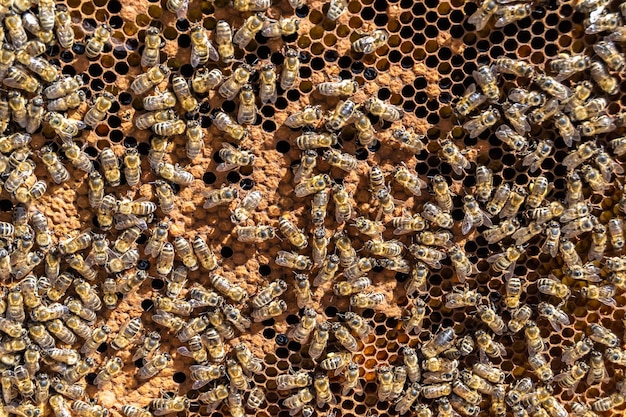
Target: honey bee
[[438, 343], [281, 27], [231, 85], [233, 158], [451, 154], [601, 77], [566, 65], [427, 254], [343, 113], [179, 7], [437, 216], [291, 69], [607, 50], [149, 346], [165, 259], [474, 215], [602, 335], [255, 234], [245, 207], [226, 124], [607, 165], [299, 379], [309, 116], [340, 160], [183, 93], [163, 406], [201, 297], [552, 87], [604, 294], [383, 110], [469, 102], [201, 48], [514, 140], [370, 43], [597, 125], [225, 287], [204, 80], [462, 297], [298, 400], [220, 196], [487, 346], [168, 320], [100, 37], [504, 229], [273, 309], [543, 149], [540, 366], [409, 180], [491, 319], [367, 300], [544, 113], [338, 88], [246, 33], [511, 13], [327, 270], [481, 16]]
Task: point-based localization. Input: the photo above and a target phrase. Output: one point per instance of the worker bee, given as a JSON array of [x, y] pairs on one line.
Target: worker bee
[[318, 344], [64, 127], [554, 315], [233, 157], [608, 52], [163, 406], [408, 180], [367, 300], [247, 106], [343, 114], [474, 215], [291, 68], [516, 115], [340, 160], [438, 343], [127, 333], [487, 346], [514, 140], [295, 380], [539, 188], [543, 149], [281, 27], [327, 270], [427, 254], [541, 367], [183, 93], [298, 400], [602, 335], [343, 206], [224, 41], [312, 140], [511, 13], [515, 67], [179, 7], [153, 44], [315, 184], [482, 15], [226, 124], [451, 154], [552, 286], [598, 242], [516, 198], [220, 196], [310, 116], [408, 140], [245, 207], [100, 37], [227, 288], [552, 87], [273, 309], [544, 113], [373, 229], [76, 155], [437, 216], [461, 297], [246, 33], [291, 232], [255, 234], [606, 165], [491, 319], [504, 229], [57, 171], [385, 111], [231, 85], [601, 77], [604, 294], [370, 43], [338, 88], [204, 80], [594, 178], [566, 65], [201, 48], [553, 234], [470, 101], [584, 151], [293, 260]]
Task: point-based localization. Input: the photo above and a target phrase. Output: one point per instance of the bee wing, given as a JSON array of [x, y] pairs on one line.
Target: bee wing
[[494, 258], [458, 169], [213, 54], [434, 264], [561, 376], [467, 224], [486, 219], [224, 166], [608, 301]]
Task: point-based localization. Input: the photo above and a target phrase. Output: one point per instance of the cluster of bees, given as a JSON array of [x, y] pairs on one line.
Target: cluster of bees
[[55, 292]]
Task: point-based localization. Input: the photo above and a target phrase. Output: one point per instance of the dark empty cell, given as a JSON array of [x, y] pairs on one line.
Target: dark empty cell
[[361, 154], [420, 83], [157, 284], [406, 32], [294, 346], [260, 39], [226, 252], [109, 77], [418, 9], [357, 67], [121, 68], [565, 26], [538, 12], [205, 122], [281, 103], [496, 52], [344, 62], [269, 126], [78, 48], [537, 28], [418, 39], [179, 377], [293, 95], [182, 25], [380, 5], [229, 106], [283, 146], [265, 270], [443, 24], [263, 52], [116, 136], [431, 31], [6, 205], [368, 13], [114, 122], [470, 141], [246, 184], [408, 106], [53, 50], [184, 41], [395, 56], [432, 105], [523, 36], [125, 99], [303, 11], [67, 56], [508, 173], [305, 72], [147, 305], [269, 334], [97, 85], [130, 142], [292, 319], [551, 50], [432, 61], [143, 148], [233, 177], [421, 111], [407, 62], [330, 311], [384, 93], [408, 91], [209, 178], [510, 45], [370, 73], [444, 53], [317, 64], [114, 6], [483, 46], [537, 43], [381, 19], [95, 70], [290, 38], [433, 118]]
